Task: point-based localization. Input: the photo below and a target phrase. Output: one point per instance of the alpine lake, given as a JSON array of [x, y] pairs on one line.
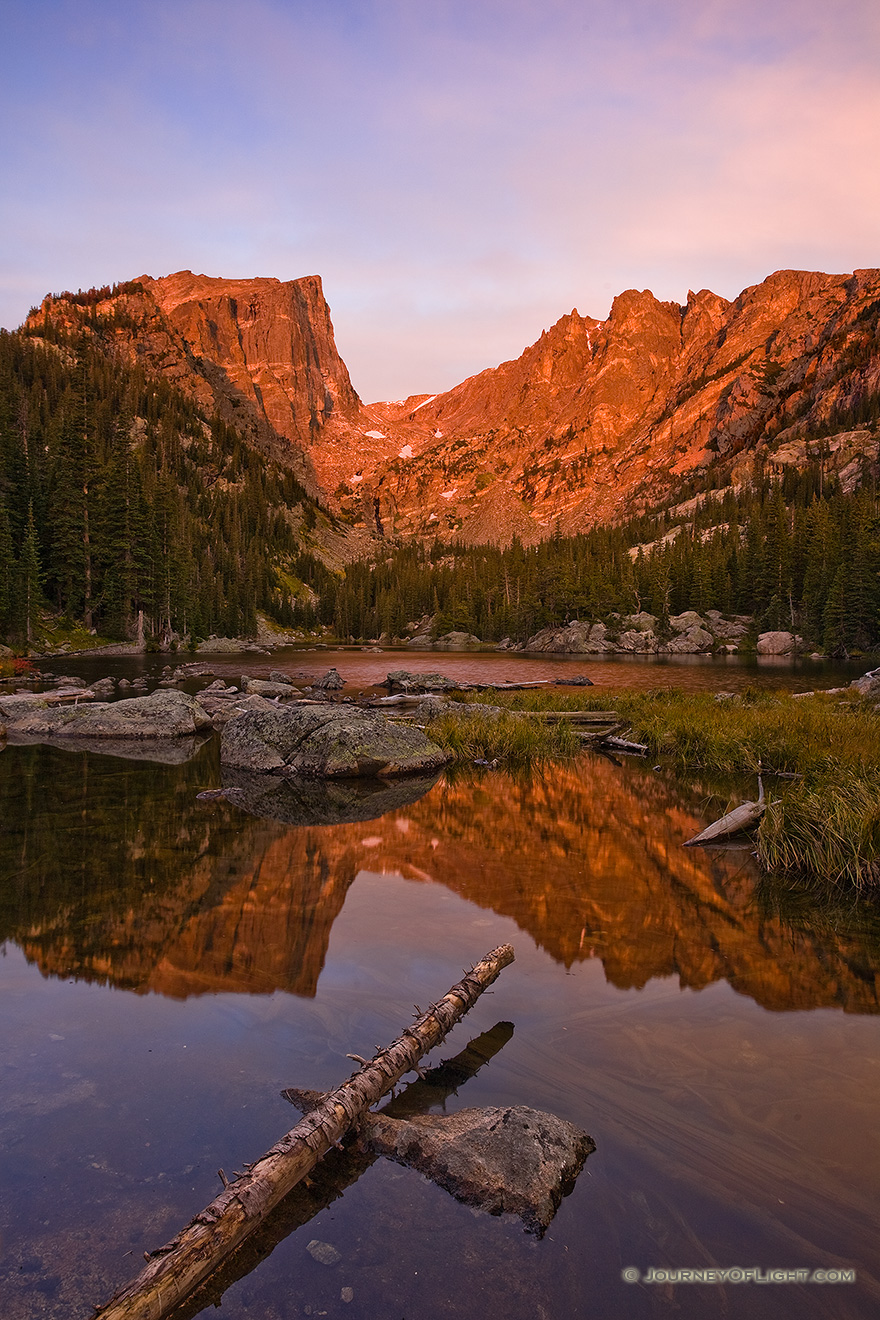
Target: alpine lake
[[170, 965]]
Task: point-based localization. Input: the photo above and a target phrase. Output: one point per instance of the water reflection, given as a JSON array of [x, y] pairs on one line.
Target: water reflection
[[113, 872]]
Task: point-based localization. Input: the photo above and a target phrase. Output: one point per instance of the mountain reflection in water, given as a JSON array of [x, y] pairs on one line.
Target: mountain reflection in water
[[115, 873]]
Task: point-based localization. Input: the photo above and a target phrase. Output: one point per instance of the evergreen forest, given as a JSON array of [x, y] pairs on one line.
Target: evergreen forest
[[794, 553], [125, 509]]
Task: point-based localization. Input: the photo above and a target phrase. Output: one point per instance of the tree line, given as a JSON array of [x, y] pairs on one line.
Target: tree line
[[794, 552]]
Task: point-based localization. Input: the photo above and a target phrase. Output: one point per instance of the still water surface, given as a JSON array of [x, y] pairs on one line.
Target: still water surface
[[171, 965]]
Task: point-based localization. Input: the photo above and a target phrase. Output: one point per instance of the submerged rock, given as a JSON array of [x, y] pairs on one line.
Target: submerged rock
[[326, 742], [515, 1160]]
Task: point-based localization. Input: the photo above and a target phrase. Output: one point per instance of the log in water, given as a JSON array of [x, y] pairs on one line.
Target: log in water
[[177, 1268]]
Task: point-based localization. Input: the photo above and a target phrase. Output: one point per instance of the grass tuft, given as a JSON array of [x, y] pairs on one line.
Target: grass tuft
[[503, 737]]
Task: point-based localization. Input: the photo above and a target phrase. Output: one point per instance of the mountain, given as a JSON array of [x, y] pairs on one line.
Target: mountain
[[594, 423], [259, 352], [211, 901], [601, 420]]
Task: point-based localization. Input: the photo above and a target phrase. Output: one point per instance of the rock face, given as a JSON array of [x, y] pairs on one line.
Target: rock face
[[326, 742], [516, 1160], [163, 714], [601, 419], [261, 352]]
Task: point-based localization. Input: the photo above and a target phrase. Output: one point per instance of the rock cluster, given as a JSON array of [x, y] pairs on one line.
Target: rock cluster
[[640, 634]]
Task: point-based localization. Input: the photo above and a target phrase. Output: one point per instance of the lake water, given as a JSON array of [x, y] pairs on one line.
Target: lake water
[[171, 965]]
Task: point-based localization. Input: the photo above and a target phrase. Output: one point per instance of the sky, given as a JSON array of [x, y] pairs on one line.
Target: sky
[[460, 173]]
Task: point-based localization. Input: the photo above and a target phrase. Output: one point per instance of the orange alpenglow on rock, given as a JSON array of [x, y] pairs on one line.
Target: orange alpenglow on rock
[[595, 422]]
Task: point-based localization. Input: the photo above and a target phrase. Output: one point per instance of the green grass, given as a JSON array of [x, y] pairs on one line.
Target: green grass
[[504, 738], [827, 828], [694, 731]]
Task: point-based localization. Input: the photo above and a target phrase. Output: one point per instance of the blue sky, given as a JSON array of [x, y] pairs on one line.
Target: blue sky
[[460, 174]]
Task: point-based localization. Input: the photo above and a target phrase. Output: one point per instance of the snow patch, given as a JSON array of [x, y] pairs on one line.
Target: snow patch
[[375, 435], [353, 481], [424, 403], [406, 452], [438, 434], [448, 494]]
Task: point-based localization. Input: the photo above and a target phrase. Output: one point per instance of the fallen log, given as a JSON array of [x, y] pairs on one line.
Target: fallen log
[[624, 745], [741, 818], [182, 1264], [341, 1168]]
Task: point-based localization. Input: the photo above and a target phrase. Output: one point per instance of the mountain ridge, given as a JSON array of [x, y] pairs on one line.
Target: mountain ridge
[[596, 421]]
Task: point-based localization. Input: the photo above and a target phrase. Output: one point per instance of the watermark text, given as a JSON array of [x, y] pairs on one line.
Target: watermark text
[[736, 1274]]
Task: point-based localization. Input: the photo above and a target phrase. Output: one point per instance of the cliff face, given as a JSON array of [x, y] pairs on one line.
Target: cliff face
[[596, 421], [259, 351]]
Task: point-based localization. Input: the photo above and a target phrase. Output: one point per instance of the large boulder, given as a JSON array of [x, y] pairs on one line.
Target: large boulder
[[682, 623], [572, 639], [641, 622], [868, 685], [637, 642], [457, 641], [163, 714], [327, 742], [261, 687], [695, 641], [728, 630], [332, 681], [404, 680], [778, 643]]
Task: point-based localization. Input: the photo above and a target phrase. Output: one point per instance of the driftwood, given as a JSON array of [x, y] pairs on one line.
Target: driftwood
[[624, 745], [340, 1168], [741, 818], [179, 1267]]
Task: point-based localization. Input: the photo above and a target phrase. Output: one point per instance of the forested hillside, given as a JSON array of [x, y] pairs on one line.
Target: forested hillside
[[124, 507], [794, 552]]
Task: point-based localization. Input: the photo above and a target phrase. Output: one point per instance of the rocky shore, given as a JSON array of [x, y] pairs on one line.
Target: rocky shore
[[689, 633]]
